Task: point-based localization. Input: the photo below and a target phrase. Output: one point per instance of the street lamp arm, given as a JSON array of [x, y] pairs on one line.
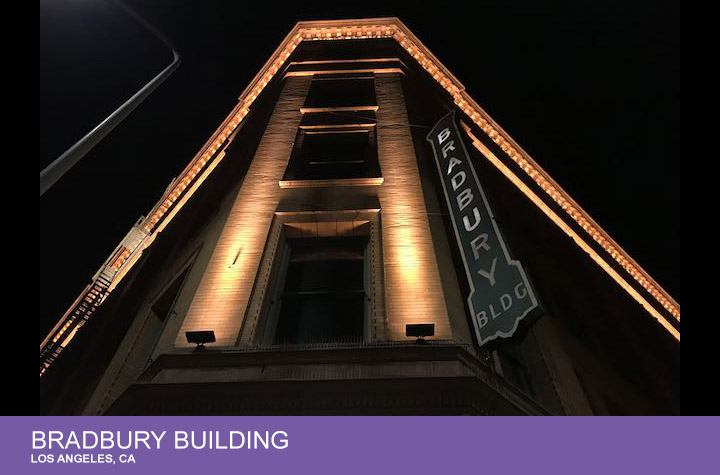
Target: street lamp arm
[[53, 172]]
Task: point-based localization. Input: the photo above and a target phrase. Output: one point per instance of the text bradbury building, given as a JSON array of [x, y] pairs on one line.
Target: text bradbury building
[[314, 226]]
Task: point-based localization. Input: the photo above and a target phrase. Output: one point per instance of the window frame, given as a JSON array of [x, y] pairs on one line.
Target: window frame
[[335, 100], [258, 324], [280, 294], [299, 162]]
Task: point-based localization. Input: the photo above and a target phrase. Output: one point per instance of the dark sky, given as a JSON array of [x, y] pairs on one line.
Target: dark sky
[[589, 89]]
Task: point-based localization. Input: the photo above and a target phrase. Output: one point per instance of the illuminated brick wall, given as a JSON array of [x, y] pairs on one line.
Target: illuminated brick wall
[[220, 301], [412, 281]]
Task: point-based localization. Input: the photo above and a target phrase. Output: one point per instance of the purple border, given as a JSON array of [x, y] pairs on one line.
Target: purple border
[[370, 445]]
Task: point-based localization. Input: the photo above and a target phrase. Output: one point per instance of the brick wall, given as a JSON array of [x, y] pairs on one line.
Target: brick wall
[[412, 281], [220, 301]]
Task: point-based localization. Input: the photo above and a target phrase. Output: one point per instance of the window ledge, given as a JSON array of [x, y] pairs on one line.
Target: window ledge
[[312, 110], [331, 182]]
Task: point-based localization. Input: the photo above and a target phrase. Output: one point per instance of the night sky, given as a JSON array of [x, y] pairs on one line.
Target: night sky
[[589, 89]]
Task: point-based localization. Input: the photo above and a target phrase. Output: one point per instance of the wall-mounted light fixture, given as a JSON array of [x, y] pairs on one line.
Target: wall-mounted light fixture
[[200, 338], [420, 330]]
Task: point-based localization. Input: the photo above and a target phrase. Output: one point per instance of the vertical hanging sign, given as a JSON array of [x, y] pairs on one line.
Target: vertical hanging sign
[[500, 294]]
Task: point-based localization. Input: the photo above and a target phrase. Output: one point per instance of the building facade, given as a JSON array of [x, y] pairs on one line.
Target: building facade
[[314, 226]]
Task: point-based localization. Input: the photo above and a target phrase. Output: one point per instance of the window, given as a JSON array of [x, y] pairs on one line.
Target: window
[[600, 402], [334, 154], [336, 139], [338, 119], [331, 260], [514, 368], [323, 297], [164, 303], [354, 92]]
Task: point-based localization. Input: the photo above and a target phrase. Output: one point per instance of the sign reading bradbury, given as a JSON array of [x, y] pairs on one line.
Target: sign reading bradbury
[[500, 294]]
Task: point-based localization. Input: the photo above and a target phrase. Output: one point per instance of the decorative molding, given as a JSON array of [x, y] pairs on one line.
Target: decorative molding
[[344, 71], [570, 232]]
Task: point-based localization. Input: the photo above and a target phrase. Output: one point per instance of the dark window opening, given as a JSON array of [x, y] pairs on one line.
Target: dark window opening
[[338, 119], [600, 402], [163, 305], [334, 154], [514, 368], [341, 92], [323, 298]]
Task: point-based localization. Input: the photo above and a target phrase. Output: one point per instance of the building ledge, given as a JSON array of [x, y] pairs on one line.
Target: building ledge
[[433, 378]]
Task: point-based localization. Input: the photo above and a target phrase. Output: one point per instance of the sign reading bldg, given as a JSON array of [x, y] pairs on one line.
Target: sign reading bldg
[[500, 294]]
